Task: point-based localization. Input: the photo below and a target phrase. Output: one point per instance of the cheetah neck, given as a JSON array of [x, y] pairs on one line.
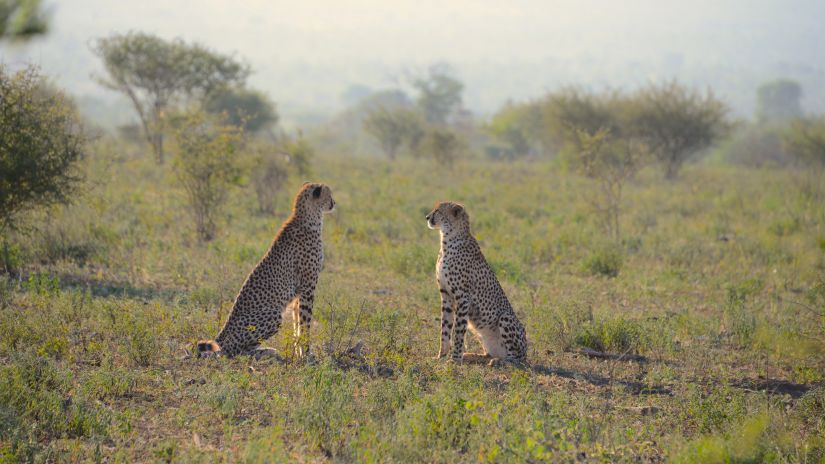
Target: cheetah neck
[[454, 236], [309, 221]]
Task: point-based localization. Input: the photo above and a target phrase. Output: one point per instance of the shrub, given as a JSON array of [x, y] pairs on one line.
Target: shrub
[[805, 140], [616, 335], [606, 261], [206, 165], [269, 173], [41, 143]]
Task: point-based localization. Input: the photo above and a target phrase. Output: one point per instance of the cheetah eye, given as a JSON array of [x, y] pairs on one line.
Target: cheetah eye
[[316, 193]]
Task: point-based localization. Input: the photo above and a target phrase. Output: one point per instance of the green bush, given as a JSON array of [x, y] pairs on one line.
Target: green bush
[[615, 335], [41, 143], [606, 261]]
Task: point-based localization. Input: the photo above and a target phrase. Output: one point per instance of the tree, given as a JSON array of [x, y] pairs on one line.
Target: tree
[[22, 19], [394, 127], [676, 122], [439, 94], [778, 101], [243, 107], [805, 140], [156, 74], [206, 164], [41, 143]]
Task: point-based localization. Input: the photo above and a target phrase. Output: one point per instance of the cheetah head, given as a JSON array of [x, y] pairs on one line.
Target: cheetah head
[[448, 217], [315, 197]]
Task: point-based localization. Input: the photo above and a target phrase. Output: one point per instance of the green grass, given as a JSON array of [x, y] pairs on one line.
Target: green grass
[[716, 284]]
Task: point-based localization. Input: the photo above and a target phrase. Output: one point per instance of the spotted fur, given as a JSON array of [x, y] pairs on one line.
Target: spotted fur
[[470, 293], [286, 276]]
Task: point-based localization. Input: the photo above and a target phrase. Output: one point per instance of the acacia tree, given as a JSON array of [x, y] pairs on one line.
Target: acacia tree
[[41, 142], [155, 74], [676, 122]]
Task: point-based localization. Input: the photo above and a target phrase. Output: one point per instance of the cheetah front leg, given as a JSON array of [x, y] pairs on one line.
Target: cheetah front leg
[[447, 318], [302, 318], [463, 302]]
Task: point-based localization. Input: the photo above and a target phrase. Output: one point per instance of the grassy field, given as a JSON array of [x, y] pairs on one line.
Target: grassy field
[[717, 306]]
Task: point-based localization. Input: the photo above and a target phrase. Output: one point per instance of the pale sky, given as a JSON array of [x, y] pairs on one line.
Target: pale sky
[[306, 53]]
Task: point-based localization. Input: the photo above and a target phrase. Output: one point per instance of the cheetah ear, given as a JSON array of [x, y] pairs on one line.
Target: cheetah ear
[[457, 209], [316, 192]]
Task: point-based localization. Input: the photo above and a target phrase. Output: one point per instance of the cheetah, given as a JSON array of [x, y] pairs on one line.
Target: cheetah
[[471, 295], [285, 277]]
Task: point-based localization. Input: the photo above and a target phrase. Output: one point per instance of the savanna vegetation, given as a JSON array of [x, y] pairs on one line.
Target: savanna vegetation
[[673, 296]]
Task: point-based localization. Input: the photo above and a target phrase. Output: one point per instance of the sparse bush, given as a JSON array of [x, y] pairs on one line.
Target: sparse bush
[[207, 166], [757, 146], [615, 335], [300, 153], [805, 140], [739, 322], [41, 143], [268, 173], [139, 341], [444, 145]]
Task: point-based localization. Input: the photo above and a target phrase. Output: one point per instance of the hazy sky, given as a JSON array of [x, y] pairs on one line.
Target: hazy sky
[[305, 54]]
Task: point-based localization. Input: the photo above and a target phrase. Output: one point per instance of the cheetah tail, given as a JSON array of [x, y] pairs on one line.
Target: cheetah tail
[[207, 346]]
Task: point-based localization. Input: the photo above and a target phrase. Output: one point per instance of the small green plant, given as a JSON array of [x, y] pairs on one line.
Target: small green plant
[[606, 261], [739, 321], [42, 284], [615, 335], [140, 341]]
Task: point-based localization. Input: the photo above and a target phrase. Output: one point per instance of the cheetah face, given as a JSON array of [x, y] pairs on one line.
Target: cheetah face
[[320, 197], [447, 217]]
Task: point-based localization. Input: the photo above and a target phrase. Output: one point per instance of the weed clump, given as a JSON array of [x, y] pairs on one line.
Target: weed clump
[[606, 261], [616, 335]]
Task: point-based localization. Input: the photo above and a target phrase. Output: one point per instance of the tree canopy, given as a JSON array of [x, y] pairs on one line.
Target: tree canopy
[[155, 73]]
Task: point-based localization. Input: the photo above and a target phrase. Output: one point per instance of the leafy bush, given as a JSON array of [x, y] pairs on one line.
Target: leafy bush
[[41, 143]]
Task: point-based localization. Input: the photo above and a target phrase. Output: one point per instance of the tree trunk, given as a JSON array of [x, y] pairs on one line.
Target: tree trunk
[[157, 146], [672, 170]]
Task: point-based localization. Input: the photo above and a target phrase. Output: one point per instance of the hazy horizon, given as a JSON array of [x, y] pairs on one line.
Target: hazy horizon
[[305, 56]]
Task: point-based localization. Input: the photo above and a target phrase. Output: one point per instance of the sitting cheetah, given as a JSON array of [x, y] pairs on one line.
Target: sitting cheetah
[[471, 294], [288, 272]]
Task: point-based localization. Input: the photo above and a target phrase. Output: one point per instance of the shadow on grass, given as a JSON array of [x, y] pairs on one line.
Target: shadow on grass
[[635, 388], [106, 288], [773, 386]]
